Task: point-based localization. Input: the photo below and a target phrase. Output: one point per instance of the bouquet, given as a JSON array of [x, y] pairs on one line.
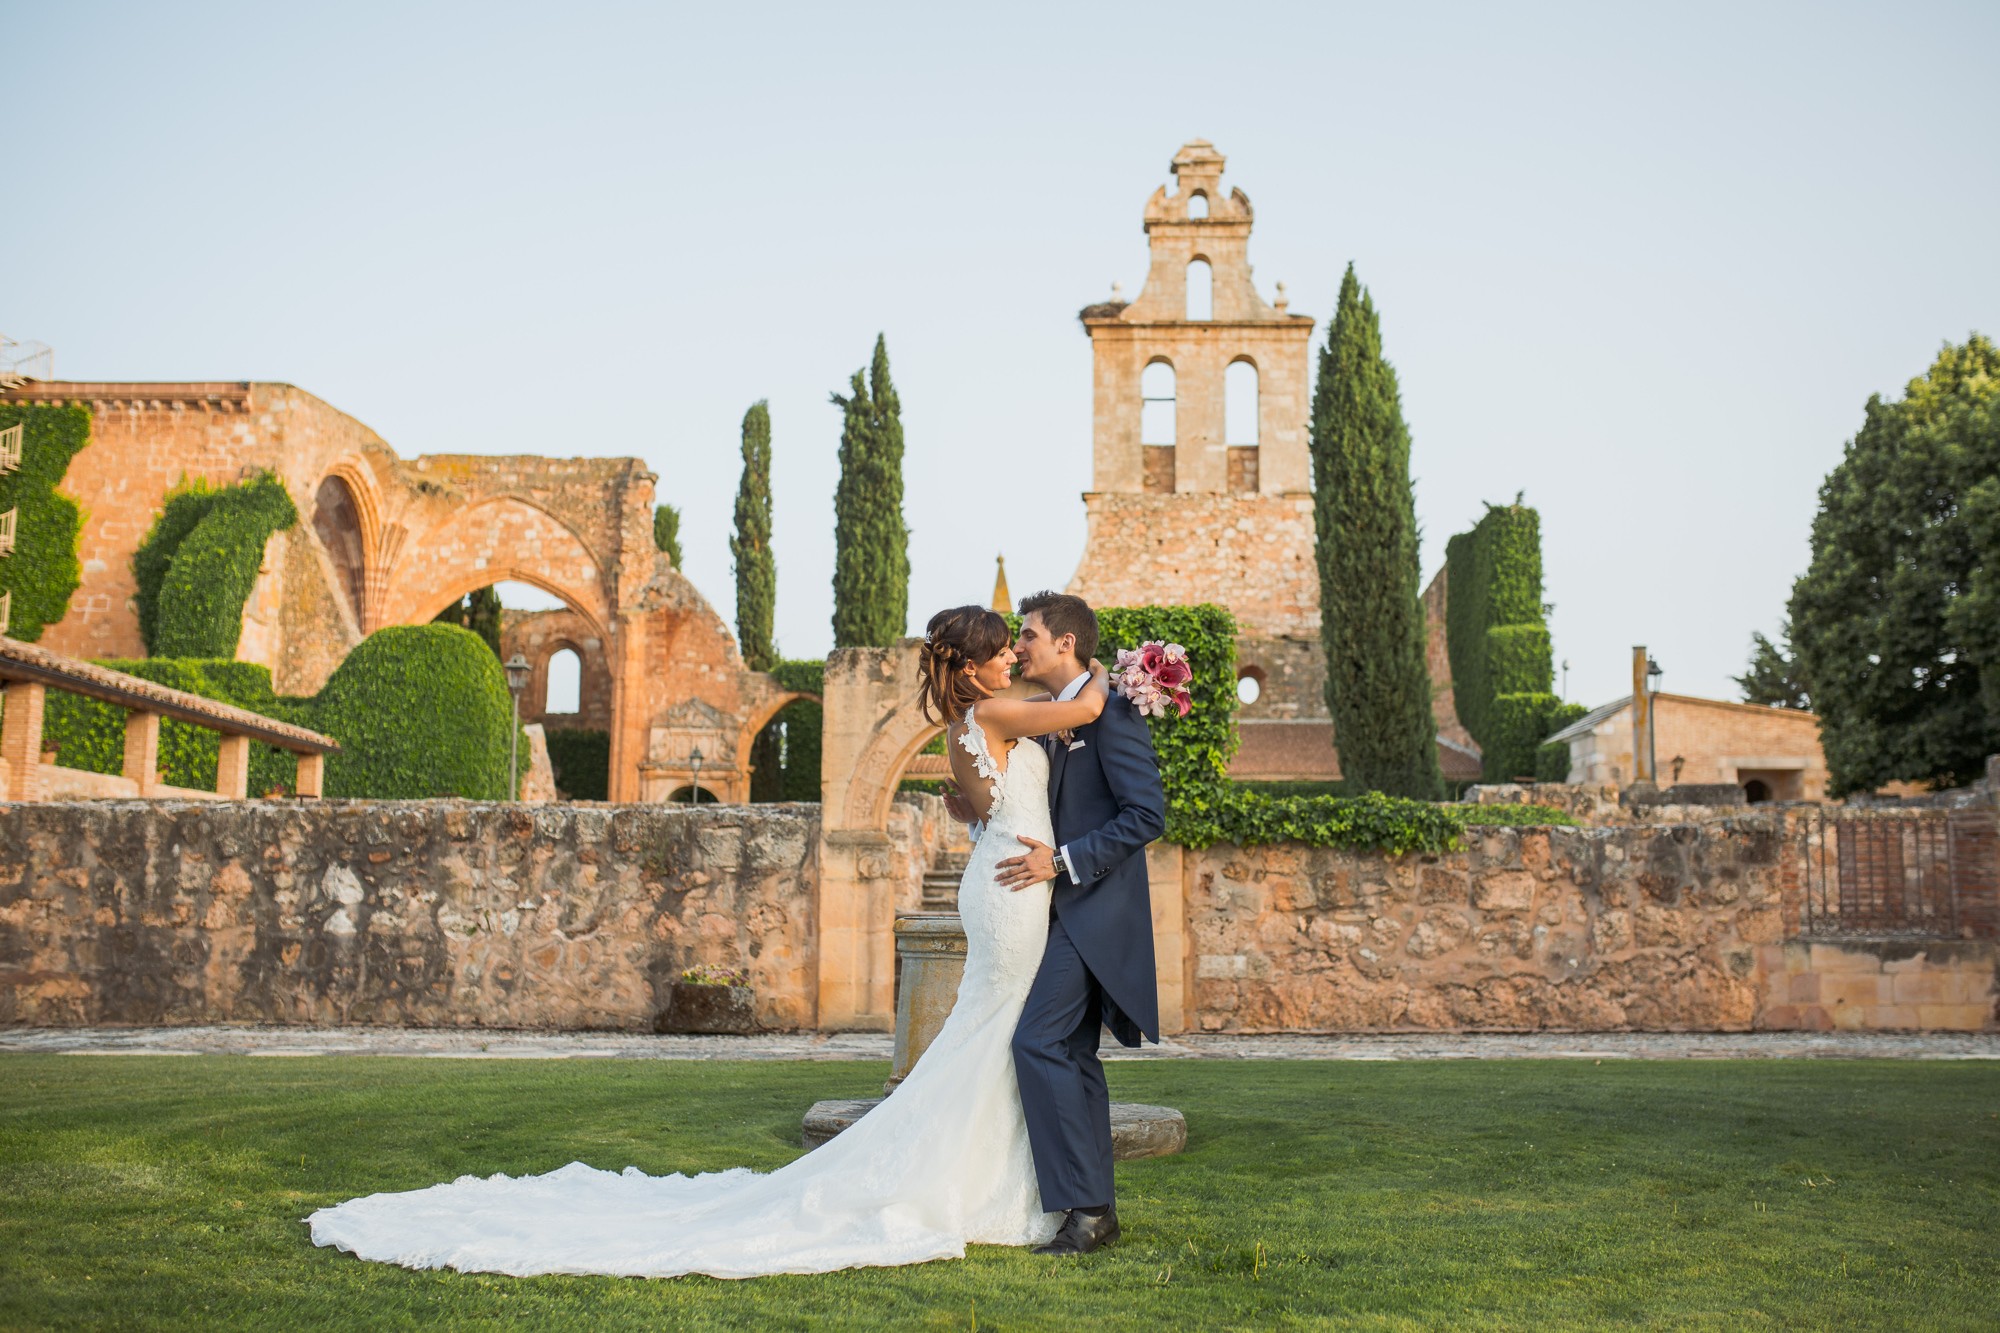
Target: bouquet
[[1153, 677]]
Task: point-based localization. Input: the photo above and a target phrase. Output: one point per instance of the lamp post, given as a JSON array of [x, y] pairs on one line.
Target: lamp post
[[1653, 674], [694, 790], [517, 670]]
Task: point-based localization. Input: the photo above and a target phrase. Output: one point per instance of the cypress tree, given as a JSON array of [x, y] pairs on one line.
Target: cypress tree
[[871, 556], [1378, 688], [756, 567], [478, 611], [757, 591], [667, 532]]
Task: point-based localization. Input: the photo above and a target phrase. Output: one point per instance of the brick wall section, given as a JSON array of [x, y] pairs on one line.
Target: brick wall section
[[427, 913]]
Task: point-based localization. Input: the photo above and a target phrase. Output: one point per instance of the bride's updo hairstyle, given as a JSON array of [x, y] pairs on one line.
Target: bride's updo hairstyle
[[955, 639]]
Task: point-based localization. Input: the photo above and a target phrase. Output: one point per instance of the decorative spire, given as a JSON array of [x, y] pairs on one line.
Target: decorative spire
[[1002, 601]]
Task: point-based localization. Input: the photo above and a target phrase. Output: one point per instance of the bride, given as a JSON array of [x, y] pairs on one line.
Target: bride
[[942, 1162]]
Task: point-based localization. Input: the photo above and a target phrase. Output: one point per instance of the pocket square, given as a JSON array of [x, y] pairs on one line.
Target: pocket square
[[1076, 745]]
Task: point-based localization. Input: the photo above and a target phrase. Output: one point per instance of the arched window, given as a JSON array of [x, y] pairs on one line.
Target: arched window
[[337, 523], [1156, 410], [565, 677], [1239, 383], [1249, 684], [1200, 290], [1198, 206], [1239, 387], [1157, 427]]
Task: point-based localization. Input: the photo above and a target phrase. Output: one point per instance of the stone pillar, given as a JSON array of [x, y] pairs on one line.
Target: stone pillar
[[21, 740], [856, 954], [931, 948], [232, 769], [312, 775], [1164, 868], [142, 751], [1642, 718]]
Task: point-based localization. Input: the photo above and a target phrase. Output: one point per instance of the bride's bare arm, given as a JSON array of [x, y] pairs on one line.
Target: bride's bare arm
[[1010, 719]]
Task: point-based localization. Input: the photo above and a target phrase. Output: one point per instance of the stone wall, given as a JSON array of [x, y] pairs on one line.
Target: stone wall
[[454, 914], [427, 913], [1650, 927]]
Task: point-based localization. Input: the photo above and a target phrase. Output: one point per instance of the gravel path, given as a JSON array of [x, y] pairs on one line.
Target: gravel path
[[487, 1045]]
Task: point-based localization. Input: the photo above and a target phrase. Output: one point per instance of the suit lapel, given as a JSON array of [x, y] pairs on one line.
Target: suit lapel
[[1058, 762]]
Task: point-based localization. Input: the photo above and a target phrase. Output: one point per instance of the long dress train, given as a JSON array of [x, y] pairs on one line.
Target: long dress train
[[942, 1162]]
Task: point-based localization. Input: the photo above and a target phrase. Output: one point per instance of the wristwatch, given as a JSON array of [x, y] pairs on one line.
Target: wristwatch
[[1062, 865]]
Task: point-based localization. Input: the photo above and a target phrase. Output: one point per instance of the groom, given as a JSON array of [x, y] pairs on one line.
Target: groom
[[1105, 804]]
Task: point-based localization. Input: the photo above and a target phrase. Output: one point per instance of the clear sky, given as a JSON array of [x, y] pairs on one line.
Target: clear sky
[[1644, 263]]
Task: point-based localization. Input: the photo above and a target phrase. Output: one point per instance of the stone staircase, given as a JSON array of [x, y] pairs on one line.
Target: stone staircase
[[941, 882]]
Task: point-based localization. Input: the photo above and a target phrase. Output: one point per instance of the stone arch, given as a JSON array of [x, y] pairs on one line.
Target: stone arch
[[349, 483], [879, 767], [497, 540], [544, 668], [763, 711]]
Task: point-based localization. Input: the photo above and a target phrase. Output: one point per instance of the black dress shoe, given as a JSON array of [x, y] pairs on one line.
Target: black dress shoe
[[1082, 1233]]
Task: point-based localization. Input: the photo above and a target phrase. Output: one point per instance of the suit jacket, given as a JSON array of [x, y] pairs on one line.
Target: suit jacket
[[1106, 803]]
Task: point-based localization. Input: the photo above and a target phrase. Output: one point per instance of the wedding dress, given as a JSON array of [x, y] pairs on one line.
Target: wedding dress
[[942, 1162]]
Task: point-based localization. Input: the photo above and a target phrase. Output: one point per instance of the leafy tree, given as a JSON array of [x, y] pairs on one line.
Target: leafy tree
[[1371, 618], [1773, 678], [871, 545], [667, 532], [478, 611], [1894, 620]]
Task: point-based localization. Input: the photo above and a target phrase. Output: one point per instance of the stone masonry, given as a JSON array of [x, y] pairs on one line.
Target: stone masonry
[[423, 913], [454, 914]]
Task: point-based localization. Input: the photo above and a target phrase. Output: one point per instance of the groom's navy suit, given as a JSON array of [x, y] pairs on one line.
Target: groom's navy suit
[[1106, 804]]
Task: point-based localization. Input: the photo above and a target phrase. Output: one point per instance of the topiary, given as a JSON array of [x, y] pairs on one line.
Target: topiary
[[214, 567], [419, 710]]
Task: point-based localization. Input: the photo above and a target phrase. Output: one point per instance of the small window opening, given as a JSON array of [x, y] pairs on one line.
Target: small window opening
[[565, 675], [1156, 405], [1200, 290], [1197, 206]]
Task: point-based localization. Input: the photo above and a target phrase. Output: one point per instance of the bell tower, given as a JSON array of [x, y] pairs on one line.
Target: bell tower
[[1201, 480]]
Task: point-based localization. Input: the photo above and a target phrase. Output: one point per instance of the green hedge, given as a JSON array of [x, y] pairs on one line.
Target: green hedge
[[1502, 665], [803, 721], [43, 570], [90, 734], [199, 561], [419, 710], [581, 759]]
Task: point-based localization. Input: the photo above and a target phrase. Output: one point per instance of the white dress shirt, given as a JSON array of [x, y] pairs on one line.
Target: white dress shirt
[[1070, 691]]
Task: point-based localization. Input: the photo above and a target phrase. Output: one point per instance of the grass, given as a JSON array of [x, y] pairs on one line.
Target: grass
[[155, 1192]]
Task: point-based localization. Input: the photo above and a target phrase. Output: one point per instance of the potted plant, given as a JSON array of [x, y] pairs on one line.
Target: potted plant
[[709, 999]]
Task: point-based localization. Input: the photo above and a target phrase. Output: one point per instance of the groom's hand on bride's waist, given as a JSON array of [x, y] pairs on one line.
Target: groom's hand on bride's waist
[[1033, 866]]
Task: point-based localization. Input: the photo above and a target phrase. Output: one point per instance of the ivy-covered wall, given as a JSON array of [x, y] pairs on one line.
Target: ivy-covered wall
[[43, 571], [1502, 668], [199, 561]]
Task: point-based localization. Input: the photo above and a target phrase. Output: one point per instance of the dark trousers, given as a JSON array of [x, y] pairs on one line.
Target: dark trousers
[[1062, 1081]]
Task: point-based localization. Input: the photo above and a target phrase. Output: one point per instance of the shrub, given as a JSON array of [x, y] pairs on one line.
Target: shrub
[[803, 720], [199, 561], [43, 570], [419, 710], [581, 758], [90, 733], [1502, 667]]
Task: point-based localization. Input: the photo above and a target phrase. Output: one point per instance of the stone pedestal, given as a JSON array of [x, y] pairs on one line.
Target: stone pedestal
[[930, 959], [930, 962]]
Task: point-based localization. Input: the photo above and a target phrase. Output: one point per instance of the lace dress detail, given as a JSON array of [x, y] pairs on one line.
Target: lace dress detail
[[943, 1162]]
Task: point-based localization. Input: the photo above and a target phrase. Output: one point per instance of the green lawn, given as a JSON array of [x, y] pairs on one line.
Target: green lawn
[[156, 1192]]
